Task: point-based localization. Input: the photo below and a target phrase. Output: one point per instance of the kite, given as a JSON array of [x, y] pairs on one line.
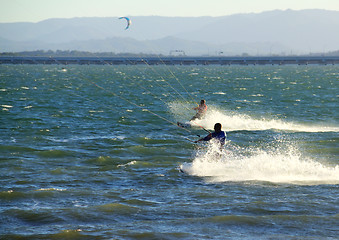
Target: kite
[[128, 21]]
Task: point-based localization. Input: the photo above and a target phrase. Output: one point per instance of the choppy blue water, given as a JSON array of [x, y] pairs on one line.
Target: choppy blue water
[[93, 152]]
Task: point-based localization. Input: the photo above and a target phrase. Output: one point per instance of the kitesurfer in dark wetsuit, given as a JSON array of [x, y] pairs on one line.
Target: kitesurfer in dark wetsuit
[[218, 135], [201, 110]]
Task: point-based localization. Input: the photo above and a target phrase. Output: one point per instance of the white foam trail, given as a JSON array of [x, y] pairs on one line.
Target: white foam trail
[[235, 121], [232, 121], [276, 165]]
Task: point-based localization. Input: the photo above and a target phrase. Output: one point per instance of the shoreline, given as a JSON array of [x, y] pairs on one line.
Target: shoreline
[[182, 60]]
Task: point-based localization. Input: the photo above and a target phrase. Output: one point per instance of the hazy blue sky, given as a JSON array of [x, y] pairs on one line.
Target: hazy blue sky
[[37, 10]]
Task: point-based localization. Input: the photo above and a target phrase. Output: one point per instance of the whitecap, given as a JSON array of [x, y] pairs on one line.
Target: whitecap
[[52, 189], [6, 106], [127, 164]]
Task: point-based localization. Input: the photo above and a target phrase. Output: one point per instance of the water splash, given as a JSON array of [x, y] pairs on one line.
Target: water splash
[[235, 121], [280, 164], [181, 111]]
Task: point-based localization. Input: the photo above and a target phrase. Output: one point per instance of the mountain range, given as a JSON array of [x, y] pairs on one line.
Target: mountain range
[[273, 32]]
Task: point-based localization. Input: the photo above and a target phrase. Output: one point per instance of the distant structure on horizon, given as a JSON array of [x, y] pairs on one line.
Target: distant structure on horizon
[[172, 60]]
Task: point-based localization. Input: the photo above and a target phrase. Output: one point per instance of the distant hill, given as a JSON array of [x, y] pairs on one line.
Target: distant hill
[[273, 32], [307, 30]]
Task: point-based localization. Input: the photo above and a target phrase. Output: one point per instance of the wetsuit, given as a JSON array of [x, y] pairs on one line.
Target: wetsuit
[[220, 136], [201, 112]]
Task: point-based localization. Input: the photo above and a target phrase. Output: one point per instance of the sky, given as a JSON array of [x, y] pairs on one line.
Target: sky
[[38, 10]]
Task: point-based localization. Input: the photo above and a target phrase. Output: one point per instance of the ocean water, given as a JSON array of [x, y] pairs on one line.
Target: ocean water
[[93, 152]]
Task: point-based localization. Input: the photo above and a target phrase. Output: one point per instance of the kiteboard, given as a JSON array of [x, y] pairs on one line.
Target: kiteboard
[[184, 125], [184, 168]]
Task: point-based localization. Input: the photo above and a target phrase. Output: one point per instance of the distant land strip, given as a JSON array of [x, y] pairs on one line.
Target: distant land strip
[[174, 60]]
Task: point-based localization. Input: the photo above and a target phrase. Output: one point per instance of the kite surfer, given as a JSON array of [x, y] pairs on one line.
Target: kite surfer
[[201, 110], [218, 135]]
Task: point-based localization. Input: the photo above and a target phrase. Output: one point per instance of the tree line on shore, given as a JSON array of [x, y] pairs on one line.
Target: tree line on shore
[[71, 53], [75, 53]]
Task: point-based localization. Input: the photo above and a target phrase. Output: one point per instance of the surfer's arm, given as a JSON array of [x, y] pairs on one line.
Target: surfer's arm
[[207, 138]]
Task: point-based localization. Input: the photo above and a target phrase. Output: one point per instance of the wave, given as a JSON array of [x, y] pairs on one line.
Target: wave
[[281, 164], [53, 153], [85, 138], [117, 208], [235, 121]]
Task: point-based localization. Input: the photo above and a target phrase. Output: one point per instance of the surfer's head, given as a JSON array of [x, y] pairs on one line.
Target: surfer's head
[[217, 127], [202, 102]]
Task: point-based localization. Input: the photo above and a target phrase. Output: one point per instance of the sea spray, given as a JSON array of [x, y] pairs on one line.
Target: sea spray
[[277, 164], [239, 121], [235, 121]]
